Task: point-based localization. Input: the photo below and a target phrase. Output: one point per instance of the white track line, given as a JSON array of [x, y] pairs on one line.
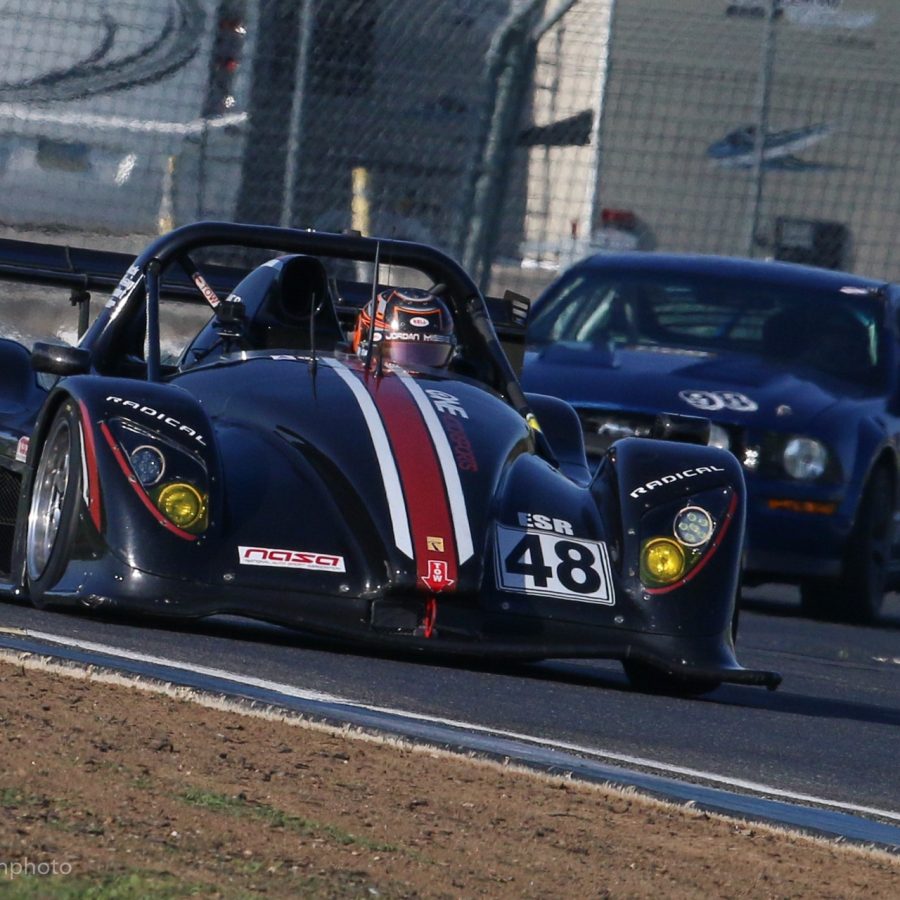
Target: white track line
[[595, 752], [22, 113]]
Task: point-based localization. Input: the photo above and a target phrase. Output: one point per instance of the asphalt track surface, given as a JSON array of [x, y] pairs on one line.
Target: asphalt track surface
[[831, 731]]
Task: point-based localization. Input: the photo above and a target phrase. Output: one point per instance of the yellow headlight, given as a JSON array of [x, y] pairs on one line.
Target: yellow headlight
[[183, 505], [662, 561]]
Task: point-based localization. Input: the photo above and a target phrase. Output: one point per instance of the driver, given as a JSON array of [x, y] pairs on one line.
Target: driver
[[413, 328]]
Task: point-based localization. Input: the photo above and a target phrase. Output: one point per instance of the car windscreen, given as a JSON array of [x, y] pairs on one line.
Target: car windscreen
[[835, 331]]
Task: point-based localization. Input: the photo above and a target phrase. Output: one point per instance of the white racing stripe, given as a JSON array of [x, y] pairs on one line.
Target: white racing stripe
[[464, 545], [389, 474], [596, 753]]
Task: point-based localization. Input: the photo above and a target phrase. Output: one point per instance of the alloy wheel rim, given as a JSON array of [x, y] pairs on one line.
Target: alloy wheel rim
[[48, 497]]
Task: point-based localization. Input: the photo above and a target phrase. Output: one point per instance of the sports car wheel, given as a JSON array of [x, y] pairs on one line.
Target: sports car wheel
[[651, 680], [857, 595], [52, 515]]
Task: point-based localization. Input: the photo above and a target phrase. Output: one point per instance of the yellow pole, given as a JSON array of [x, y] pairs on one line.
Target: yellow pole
[[360, 213], [166, 218]]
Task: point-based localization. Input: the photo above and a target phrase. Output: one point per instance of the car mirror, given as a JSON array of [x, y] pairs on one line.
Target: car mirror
[[60, 359]]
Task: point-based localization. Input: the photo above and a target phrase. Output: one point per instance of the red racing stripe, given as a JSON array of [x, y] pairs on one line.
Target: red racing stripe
[[422, 480], [92, 475]]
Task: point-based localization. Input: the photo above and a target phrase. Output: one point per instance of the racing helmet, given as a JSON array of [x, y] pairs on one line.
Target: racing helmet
[[413, 327]]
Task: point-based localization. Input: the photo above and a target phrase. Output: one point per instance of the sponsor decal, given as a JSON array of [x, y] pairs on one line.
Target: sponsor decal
[[163, 417], [452, 411], [437, 578], [418, 322], [710, 401], [447, 403], [435, 544], [415, 336], [542, 562], [211, 297], [671, 479], [460, 445], [22, 449], [124, 288], [290, 559], [545, 523]]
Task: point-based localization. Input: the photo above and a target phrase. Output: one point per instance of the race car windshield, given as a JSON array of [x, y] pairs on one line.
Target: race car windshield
[[838, 333]]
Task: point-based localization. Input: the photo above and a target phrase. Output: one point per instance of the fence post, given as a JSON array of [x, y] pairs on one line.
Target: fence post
[[763, 95]]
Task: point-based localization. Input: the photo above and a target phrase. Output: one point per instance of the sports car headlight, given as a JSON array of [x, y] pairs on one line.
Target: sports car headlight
[[183, 505], [172, 479], [718, 437], [693, 526], [148, 464], [662, 561], [675, 538], [804, 458]]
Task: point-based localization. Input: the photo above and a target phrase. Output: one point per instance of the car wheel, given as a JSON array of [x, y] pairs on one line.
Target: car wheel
[[651, 680], [53, 511], [857, 595]]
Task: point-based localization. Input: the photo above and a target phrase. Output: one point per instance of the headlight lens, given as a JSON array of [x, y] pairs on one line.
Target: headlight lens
[[148, 464], [662, 561], [183, 505], [718, 437], [804, 458], [693, 526]]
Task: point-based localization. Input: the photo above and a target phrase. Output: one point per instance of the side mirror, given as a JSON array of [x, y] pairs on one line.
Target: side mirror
[[60, 359]]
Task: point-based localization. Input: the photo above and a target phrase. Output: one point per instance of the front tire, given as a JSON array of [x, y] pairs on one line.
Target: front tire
[[858, 593], [53, 510]]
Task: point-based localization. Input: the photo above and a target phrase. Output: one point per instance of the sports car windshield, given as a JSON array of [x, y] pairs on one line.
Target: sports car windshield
[[837, 332]]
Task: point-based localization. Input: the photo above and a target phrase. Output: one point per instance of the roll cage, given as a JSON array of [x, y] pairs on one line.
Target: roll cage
[[165, 268]]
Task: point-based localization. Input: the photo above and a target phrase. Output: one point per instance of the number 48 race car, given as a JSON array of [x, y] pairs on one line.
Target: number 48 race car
[[383, 480]]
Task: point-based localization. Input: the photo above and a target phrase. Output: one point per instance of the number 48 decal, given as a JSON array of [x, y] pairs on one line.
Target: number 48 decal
[[532, 562]]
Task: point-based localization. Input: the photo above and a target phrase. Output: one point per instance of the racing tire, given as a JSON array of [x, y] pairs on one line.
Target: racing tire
[[53, 507], [858, 593], [649, 680]]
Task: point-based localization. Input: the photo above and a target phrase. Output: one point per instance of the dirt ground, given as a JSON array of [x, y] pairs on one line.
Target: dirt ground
[[111, 791]]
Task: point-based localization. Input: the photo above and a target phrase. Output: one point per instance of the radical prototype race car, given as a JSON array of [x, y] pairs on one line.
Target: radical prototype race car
[[270, 471]]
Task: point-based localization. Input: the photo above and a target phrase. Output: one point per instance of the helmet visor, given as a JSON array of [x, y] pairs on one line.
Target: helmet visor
[[433, 353]]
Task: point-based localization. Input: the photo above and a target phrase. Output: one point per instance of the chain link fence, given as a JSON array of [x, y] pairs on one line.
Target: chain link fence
[[517, 135]]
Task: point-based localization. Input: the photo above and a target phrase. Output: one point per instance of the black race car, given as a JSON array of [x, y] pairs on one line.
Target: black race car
[[276, 469]]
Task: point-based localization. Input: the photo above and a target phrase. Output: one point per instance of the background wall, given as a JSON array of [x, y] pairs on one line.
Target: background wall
[[517, 135]]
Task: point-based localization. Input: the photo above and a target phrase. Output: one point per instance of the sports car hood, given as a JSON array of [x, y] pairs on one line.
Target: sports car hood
[[724, 386], [399, 469]]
